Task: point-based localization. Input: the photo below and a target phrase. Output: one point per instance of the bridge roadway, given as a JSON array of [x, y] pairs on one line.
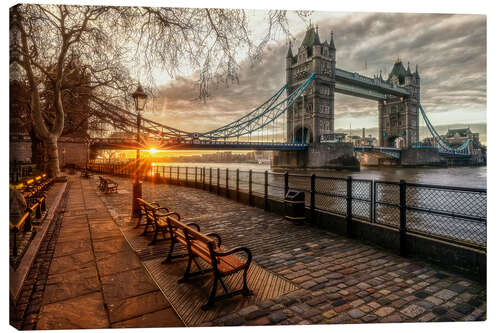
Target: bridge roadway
[[131, 144]]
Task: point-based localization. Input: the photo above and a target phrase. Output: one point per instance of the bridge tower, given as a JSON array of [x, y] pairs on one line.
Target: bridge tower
[[312, 114], [398, 116]]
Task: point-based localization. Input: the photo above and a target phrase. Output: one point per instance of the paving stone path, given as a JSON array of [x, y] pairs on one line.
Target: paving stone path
[[342, 280], [94, 279]]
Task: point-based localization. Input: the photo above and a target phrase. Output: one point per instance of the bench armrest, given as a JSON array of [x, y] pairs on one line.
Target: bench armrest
[[215, 235], [234, 250], [165, 209], [197, 227]]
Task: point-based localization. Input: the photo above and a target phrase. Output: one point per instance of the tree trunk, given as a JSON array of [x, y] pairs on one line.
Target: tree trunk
[[53, 156], [37, 151]]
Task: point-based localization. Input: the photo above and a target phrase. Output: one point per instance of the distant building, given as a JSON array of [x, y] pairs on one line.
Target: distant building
[[354, 139], [456, 137]]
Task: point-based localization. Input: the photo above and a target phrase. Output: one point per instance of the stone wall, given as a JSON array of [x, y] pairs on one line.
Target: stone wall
[[75, 151], [20, 149]]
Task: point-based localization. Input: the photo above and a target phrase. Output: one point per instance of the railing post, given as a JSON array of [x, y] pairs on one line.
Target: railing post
[[266, 194], [218, 180], [250, 201], [203, 174], [195, 177], [312, 203], [402, 218], [163, 172], [286, 183], [170, 180], [349, 207], [187, 168], [178, 175], [227, 182], [237, 184], [210, 180], [372, 202]]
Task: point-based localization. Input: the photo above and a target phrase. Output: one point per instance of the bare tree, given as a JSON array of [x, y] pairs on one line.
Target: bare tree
[[208, 40], [50, 43]]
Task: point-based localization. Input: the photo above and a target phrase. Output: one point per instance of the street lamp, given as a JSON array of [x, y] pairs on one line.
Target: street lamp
[[140, 98]]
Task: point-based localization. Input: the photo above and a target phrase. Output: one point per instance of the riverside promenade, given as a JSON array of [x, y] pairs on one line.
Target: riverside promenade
[[94, 280], [102, 273], [336, 279]]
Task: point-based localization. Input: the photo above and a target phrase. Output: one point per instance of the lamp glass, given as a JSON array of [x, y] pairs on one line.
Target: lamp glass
[[140, 102]]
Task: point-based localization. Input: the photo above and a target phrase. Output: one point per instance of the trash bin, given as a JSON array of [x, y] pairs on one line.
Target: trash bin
[[295, 206]]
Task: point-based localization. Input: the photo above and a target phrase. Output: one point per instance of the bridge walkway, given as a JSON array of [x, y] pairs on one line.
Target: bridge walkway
[[95, 280], [338, 280]]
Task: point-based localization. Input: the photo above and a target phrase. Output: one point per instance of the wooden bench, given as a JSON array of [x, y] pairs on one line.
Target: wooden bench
[[85, 173], [107, 185], [204, 246], [155, 219]]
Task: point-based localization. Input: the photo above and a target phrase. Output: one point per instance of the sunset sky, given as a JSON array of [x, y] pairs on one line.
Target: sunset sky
[[450, 51]]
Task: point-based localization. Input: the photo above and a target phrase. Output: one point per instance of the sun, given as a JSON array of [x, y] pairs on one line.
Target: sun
[[153, 151]]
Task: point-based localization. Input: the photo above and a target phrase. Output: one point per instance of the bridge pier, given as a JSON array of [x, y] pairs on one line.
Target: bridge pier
[[414, 157], [318, 156]]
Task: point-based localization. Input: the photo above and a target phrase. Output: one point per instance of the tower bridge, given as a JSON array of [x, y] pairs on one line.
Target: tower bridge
[[303, 112]]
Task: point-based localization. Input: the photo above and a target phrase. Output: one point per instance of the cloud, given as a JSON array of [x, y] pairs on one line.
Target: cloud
[[450, 51]]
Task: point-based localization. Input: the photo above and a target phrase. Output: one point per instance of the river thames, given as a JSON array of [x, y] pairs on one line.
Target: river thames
[[474, 177]]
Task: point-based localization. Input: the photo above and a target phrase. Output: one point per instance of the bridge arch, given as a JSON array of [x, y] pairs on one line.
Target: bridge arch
[[303, 132]]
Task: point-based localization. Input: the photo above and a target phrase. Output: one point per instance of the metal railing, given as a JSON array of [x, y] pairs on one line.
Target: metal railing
[[453, 214]]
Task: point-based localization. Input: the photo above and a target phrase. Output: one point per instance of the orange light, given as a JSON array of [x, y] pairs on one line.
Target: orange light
[[153, 151]]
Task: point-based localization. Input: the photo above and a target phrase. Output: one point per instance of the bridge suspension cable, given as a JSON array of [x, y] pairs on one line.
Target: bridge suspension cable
[[261, 116], [442, 143], [255, 122]]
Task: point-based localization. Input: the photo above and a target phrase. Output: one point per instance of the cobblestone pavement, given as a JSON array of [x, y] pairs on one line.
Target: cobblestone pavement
[[342, 280], [94, 279]]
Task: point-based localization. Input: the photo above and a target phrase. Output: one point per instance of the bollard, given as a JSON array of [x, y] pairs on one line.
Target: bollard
[[203, 178], [237, 185], [210, 180], [266, 183], [38, 213], [349, 207], [195, 177], [187, 168], [250, 201], [218, 180], [27, 224], [402, 218], [177, 176], [312, 201], [227, 182], [286, 183]]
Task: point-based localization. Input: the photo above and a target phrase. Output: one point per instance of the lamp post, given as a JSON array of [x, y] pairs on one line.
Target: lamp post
[[140, 98]]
